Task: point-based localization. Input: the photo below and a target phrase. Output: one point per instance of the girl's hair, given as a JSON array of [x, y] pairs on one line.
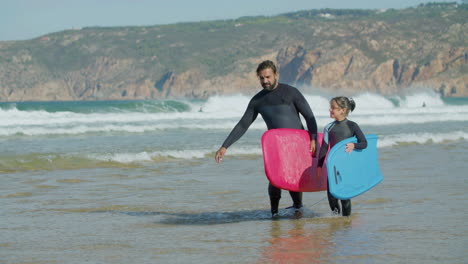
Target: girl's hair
[[345, 102]]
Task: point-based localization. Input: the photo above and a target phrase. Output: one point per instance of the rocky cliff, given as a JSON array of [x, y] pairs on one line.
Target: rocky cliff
[[385, 52]]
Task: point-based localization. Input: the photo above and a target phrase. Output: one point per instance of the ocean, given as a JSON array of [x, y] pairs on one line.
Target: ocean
[[136, 182]]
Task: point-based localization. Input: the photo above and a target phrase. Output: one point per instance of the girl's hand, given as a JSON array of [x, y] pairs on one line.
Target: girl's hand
[[349, 147]]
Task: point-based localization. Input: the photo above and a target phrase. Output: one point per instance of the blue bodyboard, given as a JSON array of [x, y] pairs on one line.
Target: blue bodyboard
[[351, 174]]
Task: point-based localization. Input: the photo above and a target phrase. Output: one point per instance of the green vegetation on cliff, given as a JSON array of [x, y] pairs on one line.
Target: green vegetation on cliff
[[214, 48]]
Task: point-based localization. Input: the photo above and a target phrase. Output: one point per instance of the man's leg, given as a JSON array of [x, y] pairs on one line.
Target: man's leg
[[275, 196], [297, 199]]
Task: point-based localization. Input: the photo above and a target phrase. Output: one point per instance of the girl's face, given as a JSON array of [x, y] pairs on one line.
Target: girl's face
[[337, 112]]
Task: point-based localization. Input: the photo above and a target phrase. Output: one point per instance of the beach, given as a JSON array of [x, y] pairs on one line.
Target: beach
[[136, 182]]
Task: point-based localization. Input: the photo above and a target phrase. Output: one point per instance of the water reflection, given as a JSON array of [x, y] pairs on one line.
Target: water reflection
[[303, 240]]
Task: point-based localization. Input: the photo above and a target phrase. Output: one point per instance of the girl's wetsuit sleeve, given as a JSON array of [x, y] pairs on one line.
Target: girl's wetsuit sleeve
[[361, 139], [247, 119]]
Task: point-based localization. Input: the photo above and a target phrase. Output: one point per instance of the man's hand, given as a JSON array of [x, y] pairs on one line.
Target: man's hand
[[220, 154], [312, 147]]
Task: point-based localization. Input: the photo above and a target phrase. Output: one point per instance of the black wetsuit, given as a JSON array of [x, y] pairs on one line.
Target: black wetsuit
[[279, 108], [334, 133]]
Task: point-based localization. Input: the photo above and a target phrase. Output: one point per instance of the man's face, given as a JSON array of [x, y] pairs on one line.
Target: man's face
[[268, 79]]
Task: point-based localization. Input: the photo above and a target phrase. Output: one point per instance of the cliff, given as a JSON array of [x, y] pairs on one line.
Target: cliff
[[382, 51]]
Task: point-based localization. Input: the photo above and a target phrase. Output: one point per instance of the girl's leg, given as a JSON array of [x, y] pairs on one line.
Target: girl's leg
[[346, 205], [333, 202]]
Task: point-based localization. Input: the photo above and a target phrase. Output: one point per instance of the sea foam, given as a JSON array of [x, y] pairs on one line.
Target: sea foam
[[220, 113]]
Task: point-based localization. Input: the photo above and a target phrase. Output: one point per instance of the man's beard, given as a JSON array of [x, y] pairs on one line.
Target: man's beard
[[269, 87]]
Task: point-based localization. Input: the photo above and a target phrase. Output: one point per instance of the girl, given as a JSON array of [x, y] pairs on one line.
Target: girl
[[336, 131]]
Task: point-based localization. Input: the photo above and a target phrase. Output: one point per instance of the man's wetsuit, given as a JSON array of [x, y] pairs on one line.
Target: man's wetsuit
[[279, 108], [334, 133]]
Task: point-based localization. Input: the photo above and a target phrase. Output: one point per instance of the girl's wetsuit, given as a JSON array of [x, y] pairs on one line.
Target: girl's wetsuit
[[279, 108], [334, 133]]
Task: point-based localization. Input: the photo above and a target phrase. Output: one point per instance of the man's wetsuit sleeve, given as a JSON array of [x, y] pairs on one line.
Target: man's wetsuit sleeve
[[361, 139], [247, 119], [303, 107]]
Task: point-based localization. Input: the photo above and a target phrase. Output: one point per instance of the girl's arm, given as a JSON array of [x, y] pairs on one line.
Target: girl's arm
[[361, 139]]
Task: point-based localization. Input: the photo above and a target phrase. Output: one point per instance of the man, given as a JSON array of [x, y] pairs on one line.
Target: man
[[280, 105]]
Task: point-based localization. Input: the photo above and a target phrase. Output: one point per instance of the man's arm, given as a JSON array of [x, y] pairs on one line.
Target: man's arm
[[304, 109], [238, 131]]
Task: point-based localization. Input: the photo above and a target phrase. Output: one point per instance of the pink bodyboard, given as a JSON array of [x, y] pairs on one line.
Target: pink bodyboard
[[288, 162]]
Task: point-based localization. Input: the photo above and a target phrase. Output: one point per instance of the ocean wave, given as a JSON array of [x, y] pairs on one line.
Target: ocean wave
[[218, 112], [55, 161], [173, 154], [89, 107], [421, 138], [65, 161], [148, 125], [118, 128], [383, 142], [389, 119]]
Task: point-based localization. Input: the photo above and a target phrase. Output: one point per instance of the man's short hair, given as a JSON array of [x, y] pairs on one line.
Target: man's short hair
[[268, 64]]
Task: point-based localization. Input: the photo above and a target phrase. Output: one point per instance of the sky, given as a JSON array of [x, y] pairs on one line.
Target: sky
[[26, 19]]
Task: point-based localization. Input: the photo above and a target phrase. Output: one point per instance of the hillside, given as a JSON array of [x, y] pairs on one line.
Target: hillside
[[383, 51]]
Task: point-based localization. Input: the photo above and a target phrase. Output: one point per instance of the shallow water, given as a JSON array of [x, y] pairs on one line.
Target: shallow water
[[135, 182], [202, 212]]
